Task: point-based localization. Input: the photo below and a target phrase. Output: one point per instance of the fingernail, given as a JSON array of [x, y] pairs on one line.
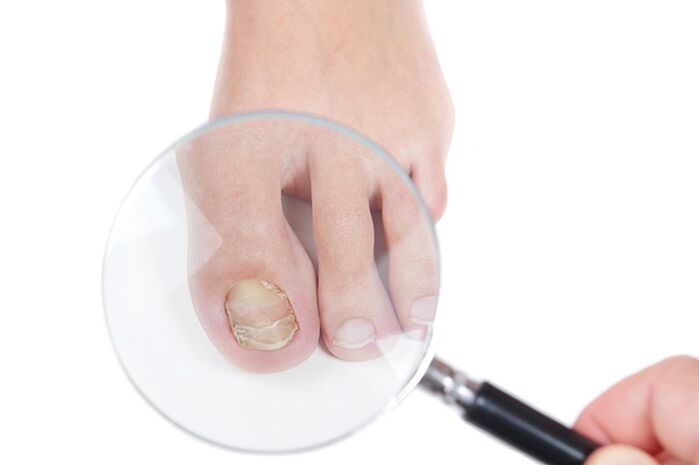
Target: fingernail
[[422, 311], [260, 315], [620, 455], [355, 334]]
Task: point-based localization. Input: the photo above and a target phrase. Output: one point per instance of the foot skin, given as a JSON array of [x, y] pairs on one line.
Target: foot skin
[[371, 65]]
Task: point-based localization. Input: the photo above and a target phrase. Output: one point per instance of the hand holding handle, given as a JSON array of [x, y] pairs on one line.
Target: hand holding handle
[[509, 419]]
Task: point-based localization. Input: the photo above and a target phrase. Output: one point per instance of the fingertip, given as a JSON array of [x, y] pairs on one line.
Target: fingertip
[[654, 410], [618, 454]]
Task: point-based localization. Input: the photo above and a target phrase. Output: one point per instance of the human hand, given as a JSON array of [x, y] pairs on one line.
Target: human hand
[[648, 418]]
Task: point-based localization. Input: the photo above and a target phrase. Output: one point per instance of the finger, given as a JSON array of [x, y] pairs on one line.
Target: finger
[[654, 410], [620, 455]]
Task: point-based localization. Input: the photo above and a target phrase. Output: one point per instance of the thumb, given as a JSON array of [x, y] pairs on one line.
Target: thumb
[[620, 455]]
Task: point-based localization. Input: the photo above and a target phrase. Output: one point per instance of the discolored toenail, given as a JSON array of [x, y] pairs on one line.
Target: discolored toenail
[[260, 315]]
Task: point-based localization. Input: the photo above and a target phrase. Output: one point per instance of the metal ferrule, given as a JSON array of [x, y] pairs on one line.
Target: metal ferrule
[[453, 386]]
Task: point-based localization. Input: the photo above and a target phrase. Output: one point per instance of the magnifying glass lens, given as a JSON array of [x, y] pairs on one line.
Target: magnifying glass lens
[[270, 282]]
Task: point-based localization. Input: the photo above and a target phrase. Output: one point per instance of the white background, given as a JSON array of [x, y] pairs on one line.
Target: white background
[[570, 243]]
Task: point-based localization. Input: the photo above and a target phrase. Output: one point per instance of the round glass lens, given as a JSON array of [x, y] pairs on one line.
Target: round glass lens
[[270, 282]]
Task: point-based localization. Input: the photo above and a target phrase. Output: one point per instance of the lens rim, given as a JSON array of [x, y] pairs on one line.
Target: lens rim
[[279, 114]]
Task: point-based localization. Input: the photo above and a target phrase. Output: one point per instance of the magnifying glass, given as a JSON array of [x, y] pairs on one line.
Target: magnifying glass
[[270, 285]]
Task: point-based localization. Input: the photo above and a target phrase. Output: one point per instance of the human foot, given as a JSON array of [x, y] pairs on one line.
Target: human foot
[[371, 66]]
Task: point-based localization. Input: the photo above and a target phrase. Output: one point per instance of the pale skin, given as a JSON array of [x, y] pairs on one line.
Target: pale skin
[[371, 65], [651, 416]]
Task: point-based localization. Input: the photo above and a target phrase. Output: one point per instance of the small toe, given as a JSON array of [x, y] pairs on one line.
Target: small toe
[[357, 317], [413, 259], [429, 178]]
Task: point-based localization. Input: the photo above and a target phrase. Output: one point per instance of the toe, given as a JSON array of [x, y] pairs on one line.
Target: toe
[[252, 284], [357, 318], [255, 298], [428, 175], [412, 259]]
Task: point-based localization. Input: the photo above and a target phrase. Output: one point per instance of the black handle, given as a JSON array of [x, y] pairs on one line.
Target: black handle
[[527, 429]]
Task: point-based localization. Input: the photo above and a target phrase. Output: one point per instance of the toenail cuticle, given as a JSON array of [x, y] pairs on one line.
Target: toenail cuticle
[[422, 311], [354, 334], [260, 315]]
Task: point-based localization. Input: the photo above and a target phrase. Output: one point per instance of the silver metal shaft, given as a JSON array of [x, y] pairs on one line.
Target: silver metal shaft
[[453, 386]]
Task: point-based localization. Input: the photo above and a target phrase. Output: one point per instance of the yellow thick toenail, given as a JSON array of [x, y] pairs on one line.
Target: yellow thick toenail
[[260, 315]]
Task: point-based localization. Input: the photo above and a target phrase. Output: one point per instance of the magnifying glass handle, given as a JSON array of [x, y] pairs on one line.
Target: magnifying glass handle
[[508, 418]]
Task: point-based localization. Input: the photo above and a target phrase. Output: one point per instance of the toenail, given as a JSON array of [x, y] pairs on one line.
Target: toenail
[[354, 334], [422, 311], [260, 315]]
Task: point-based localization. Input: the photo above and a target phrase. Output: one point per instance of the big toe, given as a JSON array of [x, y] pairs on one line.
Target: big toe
[[251, 281]]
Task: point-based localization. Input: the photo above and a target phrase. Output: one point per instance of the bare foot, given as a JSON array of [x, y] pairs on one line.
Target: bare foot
[[369, 64]]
